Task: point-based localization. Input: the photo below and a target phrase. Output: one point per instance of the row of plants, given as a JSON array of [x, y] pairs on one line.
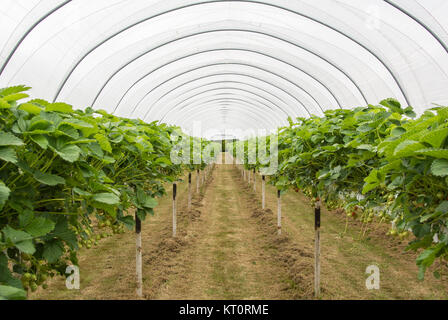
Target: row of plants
[[255, 153], [374, 161], [69, 178]]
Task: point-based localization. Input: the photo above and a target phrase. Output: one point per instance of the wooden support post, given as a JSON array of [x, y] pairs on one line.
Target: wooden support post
[[197, 180], [248, 179], [317, 249], [138, 260], [244, 174], [255, 181], [263, 196], [174, 209], [279, 213], [189, 190]]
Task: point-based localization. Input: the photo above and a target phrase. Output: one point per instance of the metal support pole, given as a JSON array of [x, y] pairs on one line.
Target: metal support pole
[[189, 190], [279, 213], [174, 210], [197, 180], [317, 249], [255, 181], [138, 260], [263, 195]]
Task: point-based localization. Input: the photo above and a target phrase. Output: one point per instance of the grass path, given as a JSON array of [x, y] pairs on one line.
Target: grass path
[[107, 271], [227, 248], [346, 255], [228, 261]]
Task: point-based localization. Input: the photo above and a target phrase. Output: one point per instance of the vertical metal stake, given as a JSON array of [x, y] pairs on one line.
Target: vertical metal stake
[[279, 213], [138, 260], [197, 181], [174, 210], [263, 196], [189, 190], [317, 249], [255, 182]]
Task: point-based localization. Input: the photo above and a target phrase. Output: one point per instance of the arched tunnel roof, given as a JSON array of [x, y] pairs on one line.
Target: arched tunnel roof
[[227, 64]]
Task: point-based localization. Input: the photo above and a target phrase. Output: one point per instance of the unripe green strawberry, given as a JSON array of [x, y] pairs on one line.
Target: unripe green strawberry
[[33, 286], [27, 276]]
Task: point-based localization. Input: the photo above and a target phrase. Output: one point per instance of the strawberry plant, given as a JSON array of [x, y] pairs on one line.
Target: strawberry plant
[[413, 174], [61, 170], [374, 160]]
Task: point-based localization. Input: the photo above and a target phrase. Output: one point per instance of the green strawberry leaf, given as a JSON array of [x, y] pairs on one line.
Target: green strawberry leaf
[[8, 139], [59, 107], [107, 198], [48, 179], [439, 167], [30, 108], [39, 227], [53, 250], [12, 293], [8, 154]]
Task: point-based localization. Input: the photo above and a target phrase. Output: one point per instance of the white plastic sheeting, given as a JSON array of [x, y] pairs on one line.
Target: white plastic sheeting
[[228, 64]]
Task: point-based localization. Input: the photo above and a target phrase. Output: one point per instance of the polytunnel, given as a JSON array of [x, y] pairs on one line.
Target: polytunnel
[[227, 64], [241, 150]]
